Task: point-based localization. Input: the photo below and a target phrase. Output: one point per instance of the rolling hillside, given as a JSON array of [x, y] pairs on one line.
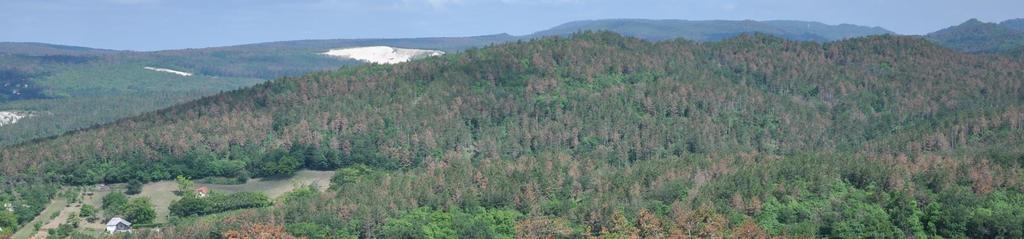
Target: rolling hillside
[[977, 36], [68, 88], [601, 135]]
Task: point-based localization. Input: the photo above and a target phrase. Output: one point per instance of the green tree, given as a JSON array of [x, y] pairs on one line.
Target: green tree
[[114, 202], [185, 184], [134, 187], [87, 211], [8, 221], [139, 210], [74, 219], [242, 176], [277, 163], [350, 174]]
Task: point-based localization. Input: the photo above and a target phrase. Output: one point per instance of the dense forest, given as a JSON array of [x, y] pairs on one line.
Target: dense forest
[[978, 36], [66, 88], [598, 135]]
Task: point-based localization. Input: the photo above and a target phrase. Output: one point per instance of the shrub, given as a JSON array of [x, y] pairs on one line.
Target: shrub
[[134, 187]]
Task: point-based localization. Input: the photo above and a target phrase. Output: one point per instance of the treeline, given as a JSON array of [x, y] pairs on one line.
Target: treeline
[[239, 162], [604, 135]]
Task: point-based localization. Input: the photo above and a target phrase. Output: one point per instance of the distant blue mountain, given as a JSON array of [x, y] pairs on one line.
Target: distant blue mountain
[[716, 29], [977, 36]]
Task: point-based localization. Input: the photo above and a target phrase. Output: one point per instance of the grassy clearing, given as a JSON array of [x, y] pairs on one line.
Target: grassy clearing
[[275, 187], [161, 193]]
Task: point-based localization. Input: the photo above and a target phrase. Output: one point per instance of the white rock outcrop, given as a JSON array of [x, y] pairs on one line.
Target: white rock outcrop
[[382, 54], [11, 117], [180, 73]]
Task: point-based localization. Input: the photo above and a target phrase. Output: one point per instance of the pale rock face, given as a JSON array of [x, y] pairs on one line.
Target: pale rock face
[[11, 117], [382, 54], [180, 73]]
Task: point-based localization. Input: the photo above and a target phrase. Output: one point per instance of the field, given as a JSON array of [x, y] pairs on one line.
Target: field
[[161, 194]]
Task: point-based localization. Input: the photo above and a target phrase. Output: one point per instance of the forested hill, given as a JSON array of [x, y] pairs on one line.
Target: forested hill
[[715, 30], [604, 134], [43, 49], [65, 88], [977, 36]]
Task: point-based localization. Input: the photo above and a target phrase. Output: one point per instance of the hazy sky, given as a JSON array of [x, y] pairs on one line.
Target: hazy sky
[[172, 24]]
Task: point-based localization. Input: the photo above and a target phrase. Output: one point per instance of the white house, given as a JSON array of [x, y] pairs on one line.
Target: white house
[[118, 224]]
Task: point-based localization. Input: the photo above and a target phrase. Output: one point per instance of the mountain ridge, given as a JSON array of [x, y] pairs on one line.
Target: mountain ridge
[[976, 36], [712, 30]]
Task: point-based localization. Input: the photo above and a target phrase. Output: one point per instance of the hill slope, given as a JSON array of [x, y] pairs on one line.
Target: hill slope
[[715, 30], [76, 87], [977, 36], [601, 135], [71, 88]]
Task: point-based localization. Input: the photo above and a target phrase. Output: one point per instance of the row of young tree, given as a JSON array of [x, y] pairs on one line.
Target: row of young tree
[[217, 202], [587, 131]]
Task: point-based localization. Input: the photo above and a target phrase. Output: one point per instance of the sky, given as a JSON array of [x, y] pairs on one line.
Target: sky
[[176, 24]]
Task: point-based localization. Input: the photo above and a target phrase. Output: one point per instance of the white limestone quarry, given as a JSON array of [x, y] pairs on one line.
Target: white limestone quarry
[[180, 73], [382, 54], [11, 117]]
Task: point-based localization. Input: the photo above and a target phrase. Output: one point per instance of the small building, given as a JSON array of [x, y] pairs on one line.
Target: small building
[[202, 192], [118, 224]]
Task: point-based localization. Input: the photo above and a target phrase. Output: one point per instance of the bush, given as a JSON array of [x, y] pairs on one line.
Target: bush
[[134, 187], [87, 211], [299, 193], [242, 176], [8, 220], [350, 175]]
